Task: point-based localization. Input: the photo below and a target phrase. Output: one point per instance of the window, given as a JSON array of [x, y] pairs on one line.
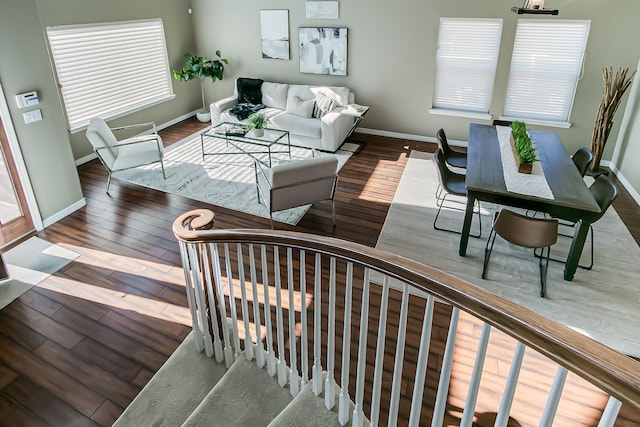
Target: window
[[110, 70], [545, 69], [466, 63]]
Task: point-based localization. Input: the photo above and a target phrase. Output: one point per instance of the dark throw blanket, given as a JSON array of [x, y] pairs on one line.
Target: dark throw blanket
[[244, 110]]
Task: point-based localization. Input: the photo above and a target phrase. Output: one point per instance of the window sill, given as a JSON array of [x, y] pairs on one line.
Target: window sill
[[459, 113]]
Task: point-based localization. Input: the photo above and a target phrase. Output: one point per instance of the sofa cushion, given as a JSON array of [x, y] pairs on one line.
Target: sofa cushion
[[298, 125], [275, 95], [322, 105], [339, 93], [249, 90], [268, 112], [300, 107]]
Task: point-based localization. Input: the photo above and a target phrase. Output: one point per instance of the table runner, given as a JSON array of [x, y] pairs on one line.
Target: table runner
[[534, 184]]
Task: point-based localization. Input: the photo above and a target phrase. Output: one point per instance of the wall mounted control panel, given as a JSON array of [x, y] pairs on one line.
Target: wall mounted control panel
[[27, 99]]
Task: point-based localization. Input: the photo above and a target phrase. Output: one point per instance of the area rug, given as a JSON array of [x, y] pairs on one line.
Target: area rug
[[30, 263], [226, 180], [602, 303]]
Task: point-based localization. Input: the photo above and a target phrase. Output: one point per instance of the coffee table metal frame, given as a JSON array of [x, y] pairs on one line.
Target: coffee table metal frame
[[242, 142]]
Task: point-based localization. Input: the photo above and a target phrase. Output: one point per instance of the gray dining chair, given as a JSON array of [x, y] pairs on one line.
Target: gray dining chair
[[525, 231], [452, 157], [604, 191], [450, 183]]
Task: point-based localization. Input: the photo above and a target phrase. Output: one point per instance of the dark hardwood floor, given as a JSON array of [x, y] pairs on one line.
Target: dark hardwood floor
[[76, 349]]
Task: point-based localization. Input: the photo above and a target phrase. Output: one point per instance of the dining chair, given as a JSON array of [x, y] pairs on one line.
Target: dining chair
[[582, 159], [454, 158], [297, 183], [604, 191], [117, 155], [525, 231], [450, 183]]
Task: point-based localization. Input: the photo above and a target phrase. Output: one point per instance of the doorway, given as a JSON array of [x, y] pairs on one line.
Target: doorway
[[15, 219]]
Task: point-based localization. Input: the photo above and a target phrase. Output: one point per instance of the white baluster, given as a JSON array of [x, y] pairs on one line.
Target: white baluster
[[377, 376], [610, 413], [317, 327], [213, 311], [554, 398], [294, 384], [282, 365], [248, 341], [345, 400], [358, 413], [474, 382], [445, 371], [303, 319], [329, 386], [228, 352], [194, 257], [421, 368], [510, 387], [232, 302], [271, 356], [191, 296], [259, 347], [399, 357]]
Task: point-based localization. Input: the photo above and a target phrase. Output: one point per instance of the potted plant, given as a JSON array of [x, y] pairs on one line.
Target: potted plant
[[524, 152], [256, 123], [202, 68]]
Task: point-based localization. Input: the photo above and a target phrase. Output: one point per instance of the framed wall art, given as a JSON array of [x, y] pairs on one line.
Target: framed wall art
[[322, 9], [323, 50], [274, 33]]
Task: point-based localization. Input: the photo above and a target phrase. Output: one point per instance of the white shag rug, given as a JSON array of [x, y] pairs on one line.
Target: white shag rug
[[226, 180], [603, 303]]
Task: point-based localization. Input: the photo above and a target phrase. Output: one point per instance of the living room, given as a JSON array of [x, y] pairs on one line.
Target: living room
[[404, 35]]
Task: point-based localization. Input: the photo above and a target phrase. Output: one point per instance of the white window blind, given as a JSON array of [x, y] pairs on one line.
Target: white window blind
[[109, 70], [466, 63], [545, 68]]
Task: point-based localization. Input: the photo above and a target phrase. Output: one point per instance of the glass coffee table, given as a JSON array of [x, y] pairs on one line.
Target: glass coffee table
[[235, 135]]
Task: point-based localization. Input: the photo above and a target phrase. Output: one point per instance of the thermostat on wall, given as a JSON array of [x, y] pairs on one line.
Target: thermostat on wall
[[27, 99]]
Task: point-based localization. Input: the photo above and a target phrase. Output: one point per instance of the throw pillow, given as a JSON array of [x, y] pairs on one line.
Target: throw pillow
[[249, 90], [275, 95], [323, 104], [300, 107]]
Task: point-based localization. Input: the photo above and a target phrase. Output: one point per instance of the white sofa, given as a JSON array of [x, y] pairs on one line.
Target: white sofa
[[291, 107]]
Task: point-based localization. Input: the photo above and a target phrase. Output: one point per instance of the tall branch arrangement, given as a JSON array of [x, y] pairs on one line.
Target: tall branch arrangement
[[614, 88]]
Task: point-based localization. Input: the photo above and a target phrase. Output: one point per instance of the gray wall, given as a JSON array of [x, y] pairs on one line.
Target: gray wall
[[391, 51]]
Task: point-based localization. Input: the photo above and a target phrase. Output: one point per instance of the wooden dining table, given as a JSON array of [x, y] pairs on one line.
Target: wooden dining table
[[485, 181]]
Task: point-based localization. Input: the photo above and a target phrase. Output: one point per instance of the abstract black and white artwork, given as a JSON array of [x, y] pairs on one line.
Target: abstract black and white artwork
[[322, 10], [274, 33], [323, 50]]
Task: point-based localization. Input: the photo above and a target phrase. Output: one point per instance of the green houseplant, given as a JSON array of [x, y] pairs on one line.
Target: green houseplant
[[524, 151], [256, 123], [201, 67]]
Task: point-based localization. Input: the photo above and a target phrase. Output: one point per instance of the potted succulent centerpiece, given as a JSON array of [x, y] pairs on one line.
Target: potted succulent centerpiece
[[201, 67], [523, 150], [256, 123]]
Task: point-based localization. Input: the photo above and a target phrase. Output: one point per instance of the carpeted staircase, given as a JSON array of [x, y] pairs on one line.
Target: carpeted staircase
[[191, 389]]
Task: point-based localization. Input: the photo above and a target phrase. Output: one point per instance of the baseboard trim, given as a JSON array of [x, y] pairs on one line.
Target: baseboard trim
[[65, 212], [410, 136], [624, 181]]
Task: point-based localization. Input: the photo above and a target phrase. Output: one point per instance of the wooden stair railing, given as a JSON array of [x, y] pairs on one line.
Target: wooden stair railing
[[390, 334]]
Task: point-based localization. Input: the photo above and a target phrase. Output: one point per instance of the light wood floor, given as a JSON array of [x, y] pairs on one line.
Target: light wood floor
[[76, 349]]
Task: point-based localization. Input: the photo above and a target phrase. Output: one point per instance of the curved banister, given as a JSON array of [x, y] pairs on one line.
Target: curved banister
[[613, 372]]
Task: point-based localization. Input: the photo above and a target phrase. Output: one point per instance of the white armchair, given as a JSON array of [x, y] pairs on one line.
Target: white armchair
[[127, 153], [297, 183]]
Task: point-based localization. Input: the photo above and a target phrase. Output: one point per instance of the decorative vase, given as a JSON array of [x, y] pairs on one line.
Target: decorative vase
[[522, 167], [258, 133], [203, 116]]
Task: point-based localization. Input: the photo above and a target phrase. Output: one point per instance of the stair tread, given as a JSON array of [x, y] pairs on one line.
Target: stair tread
[[245, 396], [309, 410], [175, 390]]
